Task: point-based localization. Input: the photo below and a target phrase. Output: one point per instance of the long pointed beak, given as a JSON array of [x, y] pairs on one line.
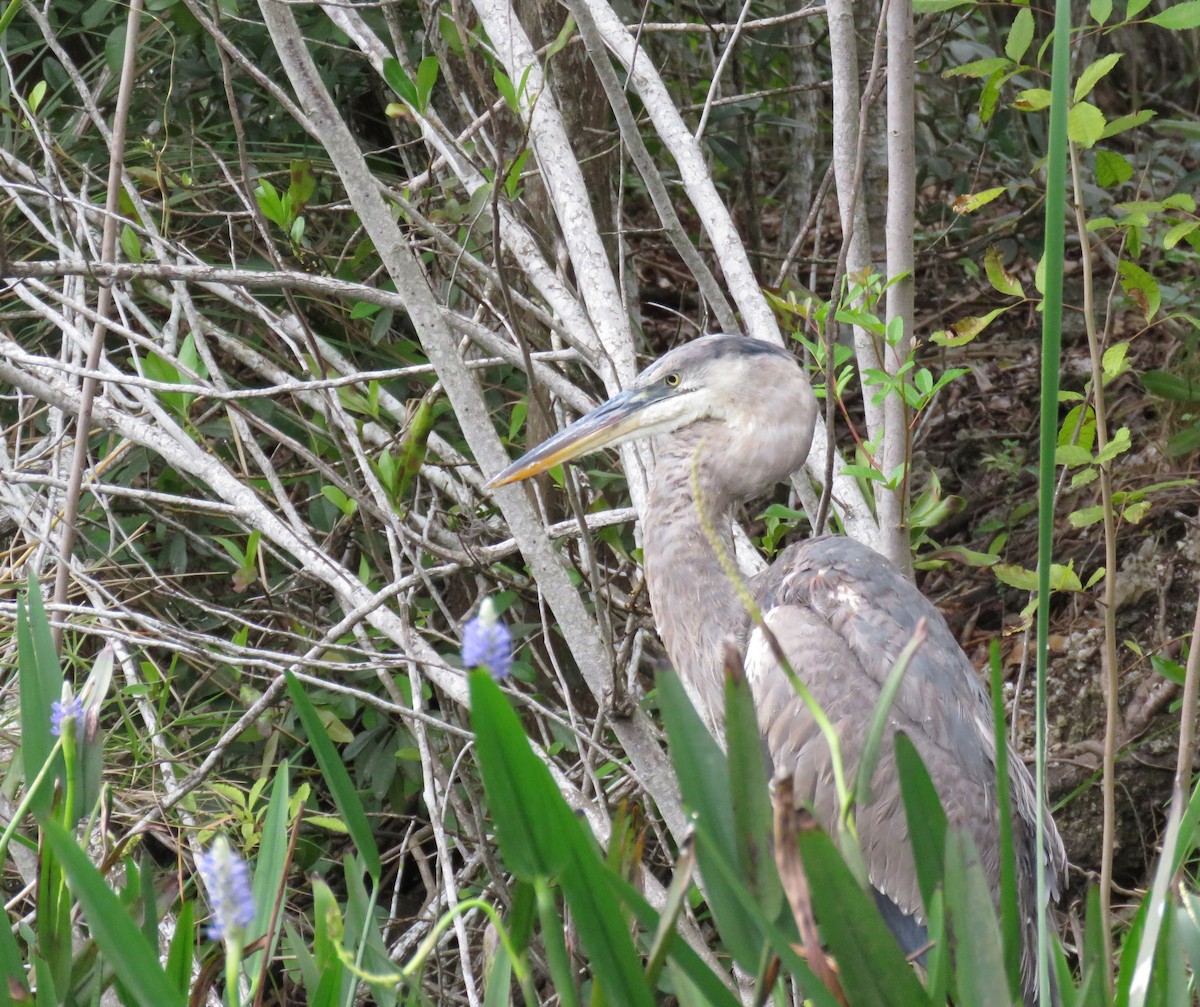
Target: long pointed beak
[[610, 423]]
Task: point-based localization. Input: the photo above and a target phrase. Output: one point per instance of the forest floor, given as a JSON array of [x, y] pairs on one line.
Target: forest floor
[[983, 444]]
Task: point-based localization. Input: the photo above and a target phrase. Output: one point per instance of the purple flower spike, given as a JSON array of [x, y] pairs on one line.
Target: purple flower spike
[[487, 643], [227, 884], [60, 712]]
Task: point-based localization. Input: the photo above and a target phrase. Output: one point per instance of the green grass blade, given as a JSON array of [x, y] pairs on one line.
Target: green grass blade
[[722, 870], [700, 765], [530, 816], [562, 975], [1010, 916], [603, 930], [537, 829], [679, 954], [122, 944], [182, 949], [41, 679], [750, 791], [364, 934], [871, 966], [1052, 312], [980, 978], [341, 787], [269, 867], [704, 784], [926, 819]]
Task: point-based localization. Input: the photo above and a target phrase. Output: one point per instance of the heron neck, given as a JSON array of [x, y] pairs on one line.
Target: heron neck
[[696, 605]]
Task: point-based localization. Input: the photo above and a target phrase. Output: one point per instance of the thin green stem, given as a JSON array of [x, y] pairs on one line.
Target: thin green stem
[[1052, 307], [22, 808]]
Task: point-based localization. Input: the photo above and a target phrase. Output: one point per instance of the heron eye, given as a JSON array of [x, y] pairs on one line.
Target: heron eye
[[671, 380]]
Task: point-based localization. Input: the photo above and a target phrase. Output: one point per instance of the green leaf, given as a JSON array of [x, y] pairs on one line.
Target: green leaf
[[1174, 387], [975, 933], [679, 952], [1112, 169], [40, 679], [1181, 17], [1179, 232], [1086, 516], [562, 38], [979, 67], [183, 941], [509, 93], [1113, 363], [1124, 122], [973, 201], [119, 939], [750, 794], [1093, 73], [400, 81], [999, 277], [1140, 286], [1062, 578], [602, 928], [427, 75], [704, 786], [871, 967], [269, 869], [131, 244], [926, 819], [1119, 444], [531, 819], [1079, 427], [1019, 35], [1010, 913], [1085, 124], [1100, 10], [1072, 455], [1032, 100], [271, 203], [939, 6], [341, 787], [966, 329], [880, 717]]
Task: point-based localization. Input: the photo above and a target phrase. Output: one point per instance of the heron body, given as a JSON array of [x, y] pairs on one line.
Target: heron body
[[733, 417]]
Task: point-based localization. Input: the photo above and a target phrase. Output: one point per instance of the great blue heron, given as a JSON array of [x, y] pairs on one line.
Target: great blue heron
[[734, 417]]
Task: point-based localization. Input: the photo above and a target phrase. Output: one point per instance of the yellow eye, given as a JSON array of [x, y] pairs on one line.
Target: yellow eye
[[671, 380]]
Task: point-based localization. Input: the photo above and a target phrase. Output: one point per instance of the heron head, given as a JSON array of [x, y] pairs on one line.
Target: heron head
[[755, 391]]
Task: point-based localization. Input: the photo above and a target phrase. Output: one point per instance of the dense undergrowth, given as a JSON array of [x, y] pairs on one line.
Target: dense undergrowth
[[278, 505]]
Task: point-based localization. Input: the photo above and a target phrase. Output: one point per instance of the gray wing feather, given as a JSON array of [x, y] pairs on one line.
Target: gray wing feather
[[842, 614]]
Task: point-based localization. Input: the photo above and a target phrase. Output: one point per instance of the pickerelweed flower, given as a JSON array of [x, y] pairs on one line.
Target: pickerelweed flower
[[227, 884], [487, 643], [60, 711]]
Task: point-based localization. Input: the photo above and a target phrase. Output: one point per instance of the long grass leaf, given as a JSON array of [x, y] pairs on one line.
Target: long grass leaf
[[872, 968], [1010, 916], [341, 787], [40, 678], [926, 819], [749, 789], [980, 979], [122, 944], [269, 868], [530, 816], [1052, 312], [680, 956]]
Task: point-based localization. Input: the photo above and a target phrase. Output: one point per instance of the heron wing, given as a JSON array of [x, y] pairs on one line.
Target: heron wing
[[842, 614]]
